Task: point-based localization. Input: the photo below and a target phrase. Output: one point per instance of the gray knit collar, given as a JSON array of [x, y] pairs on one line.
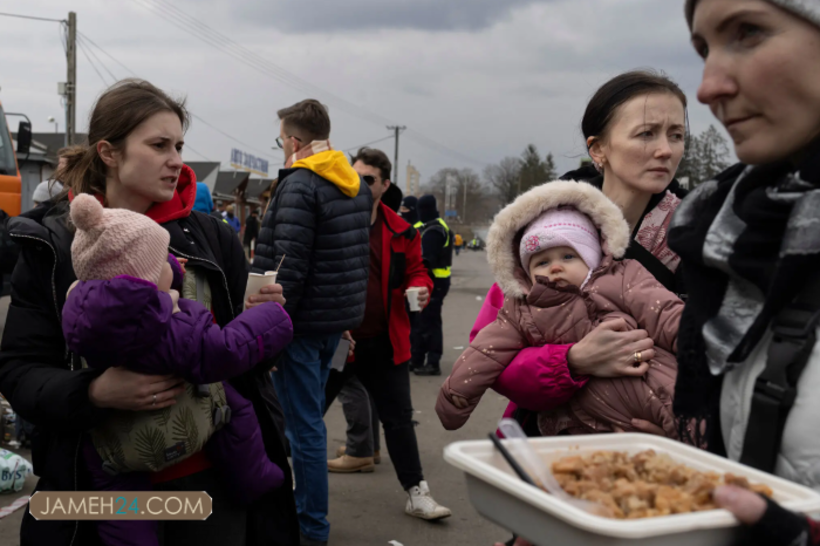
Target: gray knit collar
[[807, 9]]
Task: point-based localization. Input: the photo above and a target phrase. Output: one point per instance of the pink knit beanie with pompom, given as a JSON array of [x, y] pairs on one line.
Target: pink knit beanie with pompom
[[113, 242]]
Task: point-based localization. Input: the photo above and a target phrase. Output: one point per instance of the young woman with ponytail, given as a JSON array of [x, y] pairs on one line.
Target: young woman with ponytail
[[132, 160]]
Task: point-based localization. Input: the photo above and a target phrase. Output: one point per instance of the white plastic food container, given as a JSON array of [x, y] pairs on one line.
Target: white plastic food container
[[502, 497]]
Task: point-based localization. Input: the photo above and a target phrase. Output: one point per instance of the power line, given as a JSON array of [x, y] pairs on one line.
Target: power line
[[388, 137], [63, 32], [217, 129], [214, 38], [104, 52], [440, 148], [32, 17], [200, 119], [218, 40], [188, 147], [83, 49], [82, 43]]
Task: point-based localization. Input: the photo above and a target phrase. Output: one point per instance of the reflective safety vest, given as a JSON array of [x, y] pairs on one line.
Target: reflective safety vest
[[441, 266]]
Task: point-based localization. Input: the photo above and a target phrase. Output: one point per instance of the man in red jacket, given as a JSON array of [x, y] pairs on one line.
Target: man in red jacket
[[381, 353]]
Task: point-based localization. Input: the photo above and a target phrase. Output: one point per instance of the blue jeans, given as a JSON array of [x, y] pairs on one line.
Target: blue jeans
[[300, 383]]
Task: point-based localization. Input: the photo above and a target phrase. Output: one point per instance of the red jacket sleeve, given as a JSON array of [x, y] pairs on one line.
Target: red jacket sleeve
[[538, 378], [416, 274]]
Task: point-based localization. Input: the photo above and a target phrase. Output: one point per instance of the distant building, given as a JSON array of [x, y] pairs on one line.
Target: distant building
[[254, 189], [205, 171], [39, 163]]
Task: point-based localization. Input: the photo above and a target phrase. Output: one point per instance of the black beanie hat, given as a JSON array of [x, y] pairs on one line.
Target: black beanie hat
[[428, 208]]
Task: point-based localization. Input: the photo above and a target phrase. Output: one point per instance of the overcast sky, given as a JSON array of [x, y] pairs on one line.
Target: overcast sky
[[482, 78]]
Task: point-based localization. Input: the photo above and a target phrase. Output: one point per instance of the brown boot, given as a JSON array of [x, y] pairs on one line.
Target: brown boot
[[348, 464], [377, 455]]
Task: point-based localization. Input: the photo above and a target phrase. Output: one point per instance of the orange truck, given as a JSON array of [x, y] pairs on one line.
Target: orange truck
[[10, 183]]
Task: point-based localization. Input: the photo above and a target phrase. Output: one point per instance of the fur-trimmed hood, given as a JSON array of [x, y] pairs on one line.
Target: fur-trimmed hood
[[508, 225]]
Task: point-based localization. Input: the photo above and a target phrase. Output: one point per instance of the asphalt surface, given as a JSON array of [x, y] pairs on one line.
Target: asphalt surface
[[368, 509]]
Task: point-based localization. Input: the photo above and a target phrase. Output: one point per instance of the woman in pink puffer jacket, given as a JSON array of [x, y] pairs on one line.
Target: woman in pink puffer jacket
[[555, 253]]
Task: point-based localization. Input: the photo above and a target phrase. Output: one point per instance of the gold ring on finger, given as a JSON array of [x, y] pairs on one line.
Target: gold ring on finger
[[154, 403], [638, 358]]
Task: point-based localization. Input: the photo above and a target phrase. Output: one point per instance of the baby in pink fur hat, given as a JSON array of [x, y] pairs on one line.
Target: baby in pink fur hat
[[557, 255]]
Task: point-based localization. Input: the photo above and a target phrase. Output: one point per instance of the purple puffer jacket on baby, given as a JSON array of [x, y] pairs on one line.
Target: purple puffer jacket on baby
[[128, 322]]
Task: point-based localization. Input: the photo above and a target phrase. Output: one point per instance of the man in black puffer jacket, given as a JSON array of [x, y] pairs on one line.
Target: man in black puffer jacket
[[319, 221]]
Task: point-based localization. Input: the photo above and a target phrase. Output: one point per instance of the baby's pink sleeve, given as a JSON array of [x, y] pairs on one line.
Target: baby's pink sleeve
[[489, 310], [538, 378]]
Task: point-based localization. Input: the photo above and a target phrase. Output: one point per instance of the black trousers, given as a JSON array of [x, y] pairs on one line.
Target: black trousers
[[389, 387], [427, 336]]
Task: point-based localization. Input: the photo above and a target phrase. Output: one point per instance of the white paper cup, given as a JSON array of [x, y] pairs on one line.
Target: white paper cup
[[257, 280], [413, 299]]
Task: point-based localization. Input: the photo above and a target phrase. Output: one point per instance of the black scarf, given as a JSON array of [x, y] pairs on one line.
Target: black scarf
[[748, 240]]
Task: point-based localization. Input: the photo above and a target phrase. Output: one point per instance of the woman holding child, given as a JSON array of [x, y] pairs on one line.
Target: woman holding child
[[750, 246], [635, 127], [132, 164]]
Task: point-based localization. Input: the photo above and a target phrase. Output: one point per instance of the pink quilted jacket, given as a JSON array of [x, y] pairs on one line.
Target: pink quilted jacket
[[533, 316]]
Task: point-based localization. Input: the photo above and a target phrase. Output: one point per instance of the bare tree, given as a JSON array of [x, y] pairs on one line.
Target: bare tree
[[505, 178], [470, 194]]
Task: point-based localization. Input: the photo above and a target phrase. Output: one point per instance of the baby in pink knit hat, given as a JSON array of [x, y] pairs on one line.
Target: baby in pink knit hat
[[556, 253], [561, 245], [125, 310]]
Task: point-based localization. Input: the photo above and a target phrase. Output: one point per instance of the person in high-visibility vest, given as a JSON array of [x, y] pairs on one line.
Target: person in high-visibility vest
[[459, 242], [437, 243], [410, 214]]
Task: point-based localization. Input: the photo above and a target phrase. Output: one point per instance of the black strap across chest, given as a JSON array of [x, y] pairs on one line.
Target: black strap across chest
[[775, 391]]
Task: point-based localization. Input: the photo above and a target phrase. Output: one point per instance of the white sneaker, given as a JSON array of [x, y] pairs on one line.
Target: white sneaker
[[422, 505]]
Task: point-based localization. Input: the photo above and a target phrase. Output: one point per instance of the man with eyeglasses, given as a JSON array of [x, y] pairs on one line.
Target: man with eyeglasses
[[317, 228], [382, 349]]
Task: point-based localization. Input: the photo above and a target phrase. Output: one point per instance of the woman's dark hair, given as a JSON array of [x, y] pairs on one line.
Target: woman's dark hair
[[613, 94], [120, 110]]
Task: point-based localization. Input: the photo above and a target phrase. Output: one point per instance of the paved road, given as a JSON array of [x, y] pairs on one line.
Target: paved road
[[368, 509]]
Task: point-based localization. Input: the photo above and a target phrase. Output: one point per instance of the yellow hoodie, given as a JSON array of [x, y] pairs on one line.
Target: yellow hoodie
[[333, 166]]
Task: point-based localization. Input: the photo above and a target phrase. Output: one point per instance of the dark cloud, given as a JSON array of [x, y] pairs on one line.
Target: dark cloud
[[359, 15]]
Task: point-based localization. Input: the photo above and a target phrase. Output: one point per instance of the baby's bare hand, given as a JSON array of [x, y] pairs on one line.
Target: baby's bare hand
[[174, 298]]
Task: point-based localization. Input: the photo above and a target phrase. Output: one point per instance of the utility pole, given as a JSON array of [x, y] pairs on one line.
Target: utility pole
[[71, 80], [464, 208], [397, 129]]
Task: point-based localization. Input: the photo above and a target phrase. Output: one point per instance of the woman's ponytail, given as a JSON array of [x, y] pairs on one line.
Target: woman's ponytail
[[83, 172]]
